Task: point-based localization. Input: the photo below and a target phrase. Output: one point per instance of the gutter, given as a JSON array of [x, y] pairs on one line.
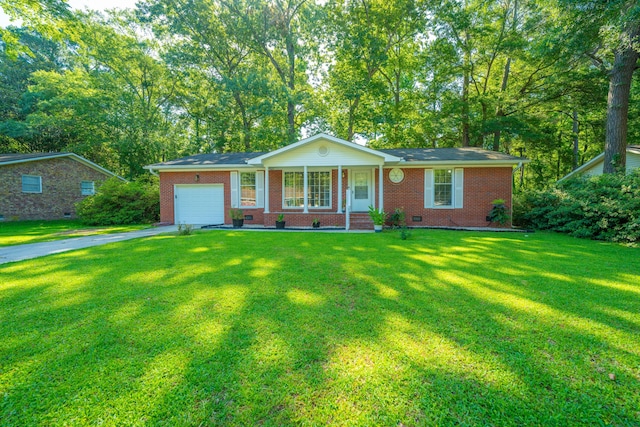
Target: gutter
[[151, 171]]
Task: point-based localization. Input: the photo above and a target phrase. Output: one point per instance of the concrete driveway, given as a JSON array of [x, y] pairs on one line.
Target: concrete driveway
[[35, 250]]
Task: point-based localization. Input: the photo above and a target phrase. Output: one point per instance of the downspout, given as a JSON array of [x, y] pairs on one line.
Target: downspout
[[512, 184]]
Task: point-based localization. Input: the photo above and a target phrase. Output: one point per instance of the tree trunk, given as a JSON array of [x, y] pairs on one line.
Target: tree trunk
[[246, 124], [505, 80], [352, 117], [465, 95], [624, 64], [291, 106], [576, 148]]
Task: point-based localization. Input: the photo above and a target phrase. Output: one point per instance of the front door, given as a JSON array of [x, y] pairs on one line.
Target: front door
[[361, 190]]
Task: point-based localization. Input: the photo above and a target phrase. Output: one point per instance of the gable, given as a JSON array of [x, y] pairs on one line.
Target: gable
[[323, 152], [595, 166], [36, 158]]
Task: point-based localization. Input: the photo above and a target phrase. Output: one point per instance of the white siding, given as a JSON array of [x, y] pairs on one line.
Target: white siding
[[633, 161], [595, 169], [312, 155]]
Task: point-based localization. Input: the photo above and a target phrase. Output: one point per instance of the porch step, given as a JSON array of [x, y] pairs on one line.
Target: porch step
[[361, 221]]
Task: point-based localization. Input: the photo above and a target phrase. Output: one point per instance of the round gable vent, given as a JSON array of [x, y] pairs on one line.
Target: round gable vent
[[323, 150]]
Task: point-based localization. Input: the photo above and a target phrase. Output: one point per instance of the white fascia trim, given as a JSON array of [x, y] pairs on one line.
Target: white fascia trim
[[459, 163], [585, 166], [387, 157], [201, 168], [73, 156]]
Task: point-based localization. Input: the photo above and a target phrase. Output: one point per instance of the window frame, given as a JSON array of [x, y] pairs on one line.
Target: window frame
[[457, 188], [255, 190], [93, 188], [310, 172], [451, 186], [39, 177]]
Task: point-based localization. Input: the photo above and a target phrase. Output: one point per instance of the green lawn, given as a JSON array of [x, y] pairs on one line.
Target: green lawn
[[254, 328], [22, 232]]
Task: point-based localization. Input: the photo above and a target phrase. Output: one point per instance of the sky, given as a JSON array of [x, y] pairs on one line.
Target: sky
[[82, 4]]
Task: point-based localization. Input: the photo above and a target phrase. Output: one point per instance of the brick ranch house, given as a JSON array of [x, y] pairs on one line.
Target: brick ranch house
[[46, 185], [323, 176]]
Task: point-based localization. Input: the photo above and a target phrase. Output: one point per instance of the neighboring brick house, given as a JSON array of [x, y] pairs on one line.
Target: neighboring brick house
[[322, 177], [46, 185]]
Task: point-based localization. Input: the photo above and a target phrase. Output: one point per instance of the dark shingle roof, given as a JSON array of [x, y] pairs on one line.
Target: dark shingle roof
[[211, 159], [470, 154], [6, 158], [448, 154]]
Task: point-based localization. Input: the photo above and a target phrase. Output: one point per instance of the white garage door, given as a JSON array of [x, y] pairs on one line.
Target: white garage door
[[199, 204]]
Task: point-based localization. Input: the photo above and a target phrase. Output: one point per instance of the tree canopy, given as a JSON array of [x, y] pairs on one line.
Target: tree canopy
[[551, 80]]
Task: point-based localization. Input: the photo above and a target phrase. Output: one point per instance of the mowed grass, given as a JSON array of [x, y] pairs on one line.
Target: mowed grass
[[266, 328], [23, 232]]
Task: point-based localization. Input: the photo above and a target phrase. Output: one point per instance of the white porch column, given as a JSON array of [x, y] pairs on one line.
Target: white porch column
[[266, 189], [306, 191], [339, 189], [380, 192]]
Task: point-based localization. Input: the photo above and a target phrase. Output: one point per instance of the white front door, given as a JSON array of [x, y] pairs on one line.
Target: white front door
[[361, 191]]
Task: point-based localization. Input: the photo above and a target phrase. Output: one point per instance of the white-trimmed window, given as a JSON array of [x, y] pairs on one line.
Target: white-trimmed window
[[87, 188], [318, 189], [247, 189], [31, 184], [293, 190], [443, 188]]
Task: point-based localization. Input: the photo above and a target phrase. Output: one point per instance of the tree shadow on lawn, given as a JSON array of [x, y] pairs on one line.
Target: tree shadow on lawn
[[226, 328]]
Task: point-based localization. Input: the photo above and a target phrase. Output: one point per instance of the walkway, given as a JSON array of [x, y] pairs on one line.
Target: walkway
[[35, 250]]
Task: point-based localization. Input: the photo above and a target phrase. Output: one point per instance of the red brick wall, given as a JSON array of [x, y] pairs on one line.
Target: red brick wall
[[61, 180], [169, 179], [481, 187]]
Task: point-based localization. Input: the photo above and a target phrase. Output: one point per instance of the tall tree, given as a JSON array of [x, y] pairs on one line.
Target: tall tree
[[279, 30], [217, 63], [609, 34]]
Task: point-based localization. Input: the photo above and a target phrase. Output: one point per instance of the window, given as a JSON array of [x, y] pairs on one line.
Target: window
[[248, 189], [31, 184], [318, 187], [442, 187], [87, 188], [293, 189]]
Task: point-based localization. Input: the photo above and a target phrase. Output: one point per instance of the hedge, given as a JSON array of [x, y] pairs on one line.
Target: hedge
[[603, 207], [120, 202]]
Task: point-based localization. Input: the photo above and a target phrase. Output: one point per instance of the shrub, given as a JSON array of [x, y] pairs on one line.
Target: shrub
[[119, 202], [185, 229], [604, 207], [498, 212], [398, 218]]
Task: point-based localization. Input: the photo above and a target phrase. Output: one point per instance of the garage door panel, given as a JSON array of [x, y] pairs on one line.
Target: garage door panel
[[199, 204]]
